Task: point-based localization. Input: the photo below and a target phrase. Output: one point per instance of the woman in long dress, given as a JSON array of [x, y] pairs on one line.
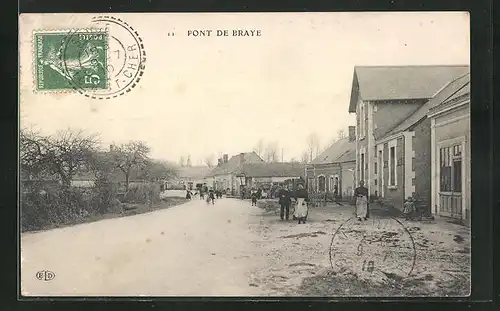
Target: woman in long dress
[[301, 210], [361, 195]]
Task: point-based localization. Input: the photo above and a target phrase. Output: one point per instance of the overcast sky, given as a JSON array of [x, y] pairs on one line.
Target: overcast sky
[[212, 95]]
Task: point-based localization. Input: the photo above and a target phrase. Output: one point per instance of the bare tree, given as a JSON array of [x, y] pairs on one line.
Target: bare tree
[[155, 170], [271, 152], [305, 157], [63, 154], [313, 146], [340, 134], [209, 160], [68, 152], [259, 148], [132, 155], [32, 150]]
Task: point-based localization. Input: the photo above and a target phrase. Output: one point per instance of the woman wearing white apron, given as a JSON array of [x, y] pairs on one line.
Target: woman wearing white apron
[[361, 195], [301, 210]]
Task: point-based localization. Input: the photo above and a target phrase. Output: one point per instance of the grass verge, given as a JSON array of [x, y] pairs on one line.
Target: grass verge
[[133, 209]]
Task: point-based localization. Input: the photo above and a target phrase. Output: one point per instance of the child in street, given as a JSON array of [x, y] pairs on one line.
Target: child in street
[[409, 208]]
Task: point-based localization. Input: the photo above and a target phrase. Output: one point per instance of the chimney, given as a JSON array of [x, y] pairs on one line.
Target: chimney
[[352, 133], [225, 158], [242, 158]]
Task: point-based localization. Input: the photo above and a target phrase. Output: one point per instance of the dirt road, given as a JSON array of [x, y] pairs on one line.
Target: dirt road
[[190, 249], [234, 249]]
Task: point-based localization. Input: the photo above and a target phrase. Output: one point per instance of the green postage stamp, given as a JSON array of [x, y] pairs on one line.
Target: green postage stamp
[[71, 60]]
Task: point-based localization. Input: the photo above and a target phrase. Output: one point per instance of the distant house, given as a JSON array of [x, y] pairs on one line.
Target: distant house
[[191, 176], [87, 179], [263, 173], [224, 176], [393, 134], [334, 166], [450, 151]]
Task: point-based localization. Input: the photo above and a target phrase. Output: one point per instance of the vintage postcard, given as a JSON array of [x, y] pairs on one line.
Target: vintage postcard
[[245, 154]]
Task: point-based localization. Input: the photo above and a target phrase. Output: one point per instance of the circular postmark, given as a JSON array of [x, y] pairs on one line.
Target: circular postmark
[[105, 60], [376, 248]]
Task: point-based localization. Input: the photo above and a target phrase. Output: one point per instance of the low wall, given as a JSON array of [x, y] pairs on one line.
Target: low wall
[[173, 193]]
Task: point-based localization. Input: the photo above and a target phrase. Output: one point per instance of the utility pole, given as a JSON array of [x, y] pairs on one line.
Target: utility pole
[[281, 155]]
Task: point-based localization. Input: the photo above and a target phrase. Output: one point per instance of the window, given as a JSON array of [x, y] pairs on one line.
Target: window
[[450, 162], [330, 183], [321, 183], [310, 184], [362, 119], [380, 160], [392, 166], [375, 168], [362, 167]]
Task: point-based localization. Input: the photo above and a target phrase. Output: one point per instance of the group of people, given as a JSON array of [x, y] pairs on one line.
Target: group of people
[[205, 194], [300, 197], [301, 200]]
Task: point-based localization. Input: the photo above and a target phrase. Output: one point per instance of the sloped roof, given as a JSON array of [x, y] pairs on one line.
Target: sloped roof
[[282, 169], [452, 90], [401, 82], [234, 163], [116, 176], [193, 172], [342, 150]]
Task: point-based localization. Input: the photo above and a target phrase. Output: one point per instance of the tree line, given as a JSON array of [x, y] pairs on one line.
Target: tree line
[[270, 151], [71, 152]]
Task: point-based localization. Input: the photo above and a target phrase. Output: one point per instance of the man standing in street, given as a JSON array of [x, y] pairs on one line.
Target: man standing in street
[[285, 200]]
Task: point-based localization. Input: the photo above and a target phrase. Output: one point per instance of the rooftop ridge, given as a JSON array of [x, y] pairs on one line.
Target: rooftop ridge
[[437, 93]]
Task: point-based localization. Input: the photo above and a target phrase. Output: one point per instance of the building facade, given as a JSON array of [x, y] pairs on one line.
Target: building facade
[[189, 177], [393, 138], [334, 167], [226, 175], [451, 171], [267, 175]]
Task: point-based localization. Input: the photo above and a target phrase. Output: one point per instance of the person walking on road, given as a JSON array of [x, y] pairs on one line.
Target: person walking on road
[[188, 194], [361, 195], [285, 200], [301, 209], [211, 197]]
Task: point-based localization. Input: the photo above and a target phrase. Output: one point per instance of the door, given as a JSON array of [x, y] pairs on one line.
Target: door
[[451, 178]]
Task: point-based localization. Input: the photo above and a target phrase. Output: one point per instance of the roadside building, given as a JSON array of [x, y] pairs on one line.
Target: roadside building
[[334, 167], [450, 151], [225, 175], [393, 133], [189, 177], [269, 175]]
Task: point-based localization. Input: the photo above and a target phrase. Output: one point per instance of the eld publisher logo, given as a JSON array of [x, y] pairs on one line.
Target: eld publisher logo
[[45, 275]]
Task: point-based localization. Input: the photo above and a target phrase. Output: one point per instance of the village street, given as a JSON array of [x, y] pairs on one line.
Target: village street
[[232, 248]]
